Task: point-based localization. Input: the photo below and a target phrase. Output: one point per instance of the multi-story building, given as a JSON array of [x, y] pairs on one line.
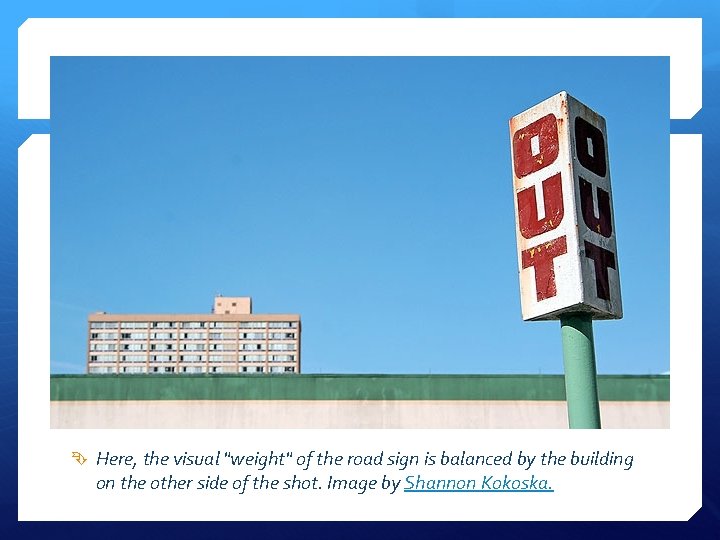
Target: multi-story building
[[231, 339]]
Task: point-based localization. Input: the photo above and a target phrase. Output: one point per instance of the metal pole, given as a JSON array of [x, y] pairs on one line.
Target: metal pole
[[580, 372]]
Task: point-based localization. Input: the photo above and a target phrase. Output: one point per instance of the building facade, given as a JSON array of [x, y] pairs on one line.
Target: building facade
[[231, 339]]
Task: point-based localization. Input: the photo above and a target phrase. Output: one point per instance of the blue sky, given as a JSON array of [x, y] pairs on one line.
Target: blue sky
[[371, 195]]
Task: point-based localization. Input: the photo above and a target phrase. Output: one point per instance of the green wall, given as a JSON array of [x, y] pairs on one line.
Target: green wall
[[347, 387]]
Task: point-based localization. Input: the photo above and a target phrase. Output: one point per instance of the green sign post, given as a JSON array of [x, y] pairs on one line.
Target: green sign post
[[580, 371]]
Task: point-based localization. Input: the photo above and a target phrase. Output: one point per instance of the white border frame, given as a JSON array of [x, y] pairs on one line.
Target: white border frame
[[39, 39], [667, 474]]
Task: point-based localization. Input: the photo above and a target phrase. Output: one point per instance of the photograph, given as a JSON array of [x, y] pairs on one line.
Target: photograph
[[360, 242]]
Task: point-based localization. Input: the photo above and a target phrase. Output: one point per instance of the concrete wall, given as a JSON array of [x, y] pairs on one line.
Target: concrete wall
[[347, 401], [345, 414]]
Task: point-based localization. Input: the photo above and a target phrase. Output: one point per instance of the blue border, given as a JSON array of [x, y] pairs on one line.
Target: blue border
[[705, 524]]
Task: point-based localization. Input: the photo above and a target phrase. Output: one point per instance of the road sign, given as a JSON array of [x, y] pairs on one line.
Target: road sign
[[565, 227]]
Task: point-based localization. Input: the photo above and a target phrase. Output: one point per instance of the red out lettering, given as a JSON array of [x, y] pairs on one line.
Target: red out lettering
[[590, 147], [535, 146], [603, 260], [542, 259], [602, 224], [530, 225]]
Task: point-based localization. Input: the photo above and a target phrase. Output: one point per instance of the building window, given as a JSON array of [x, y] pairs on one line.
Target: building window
[[280, 325], [251, 369], [164, 324], [221, 358], [252, 324], [103, 358], [289, 369], [193, 325], [102, 347], [227, 347], [101, 369], [133, 369], [163, 335], [254, 335], [104, 335], [133, 358], [193, 335], [133, 335], [221, 325], [282, 335], [133, 347], [281, 346], [133, 325], [103, 325]]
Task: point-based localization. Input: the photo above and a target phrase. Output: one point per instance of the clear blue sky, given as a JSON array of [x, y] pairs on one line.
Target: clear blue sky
[[362, 193]]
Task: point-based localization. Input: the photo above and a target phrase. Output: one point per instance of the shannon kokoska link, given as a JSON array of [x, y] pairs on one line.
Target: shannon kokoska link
[[489, 482]]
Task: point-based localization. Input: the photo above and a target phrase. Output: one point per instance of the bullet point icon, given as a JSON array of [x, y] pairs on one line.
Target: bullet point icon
[[77, 456]]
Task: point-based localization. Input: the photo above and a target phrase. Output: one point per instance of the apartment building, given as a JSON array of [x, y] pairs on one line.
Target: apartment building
[[231, 339]]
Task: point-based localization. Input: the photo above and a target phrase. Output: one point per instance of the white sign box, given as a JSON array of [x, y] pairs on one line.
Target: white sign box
[[567, 254]]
